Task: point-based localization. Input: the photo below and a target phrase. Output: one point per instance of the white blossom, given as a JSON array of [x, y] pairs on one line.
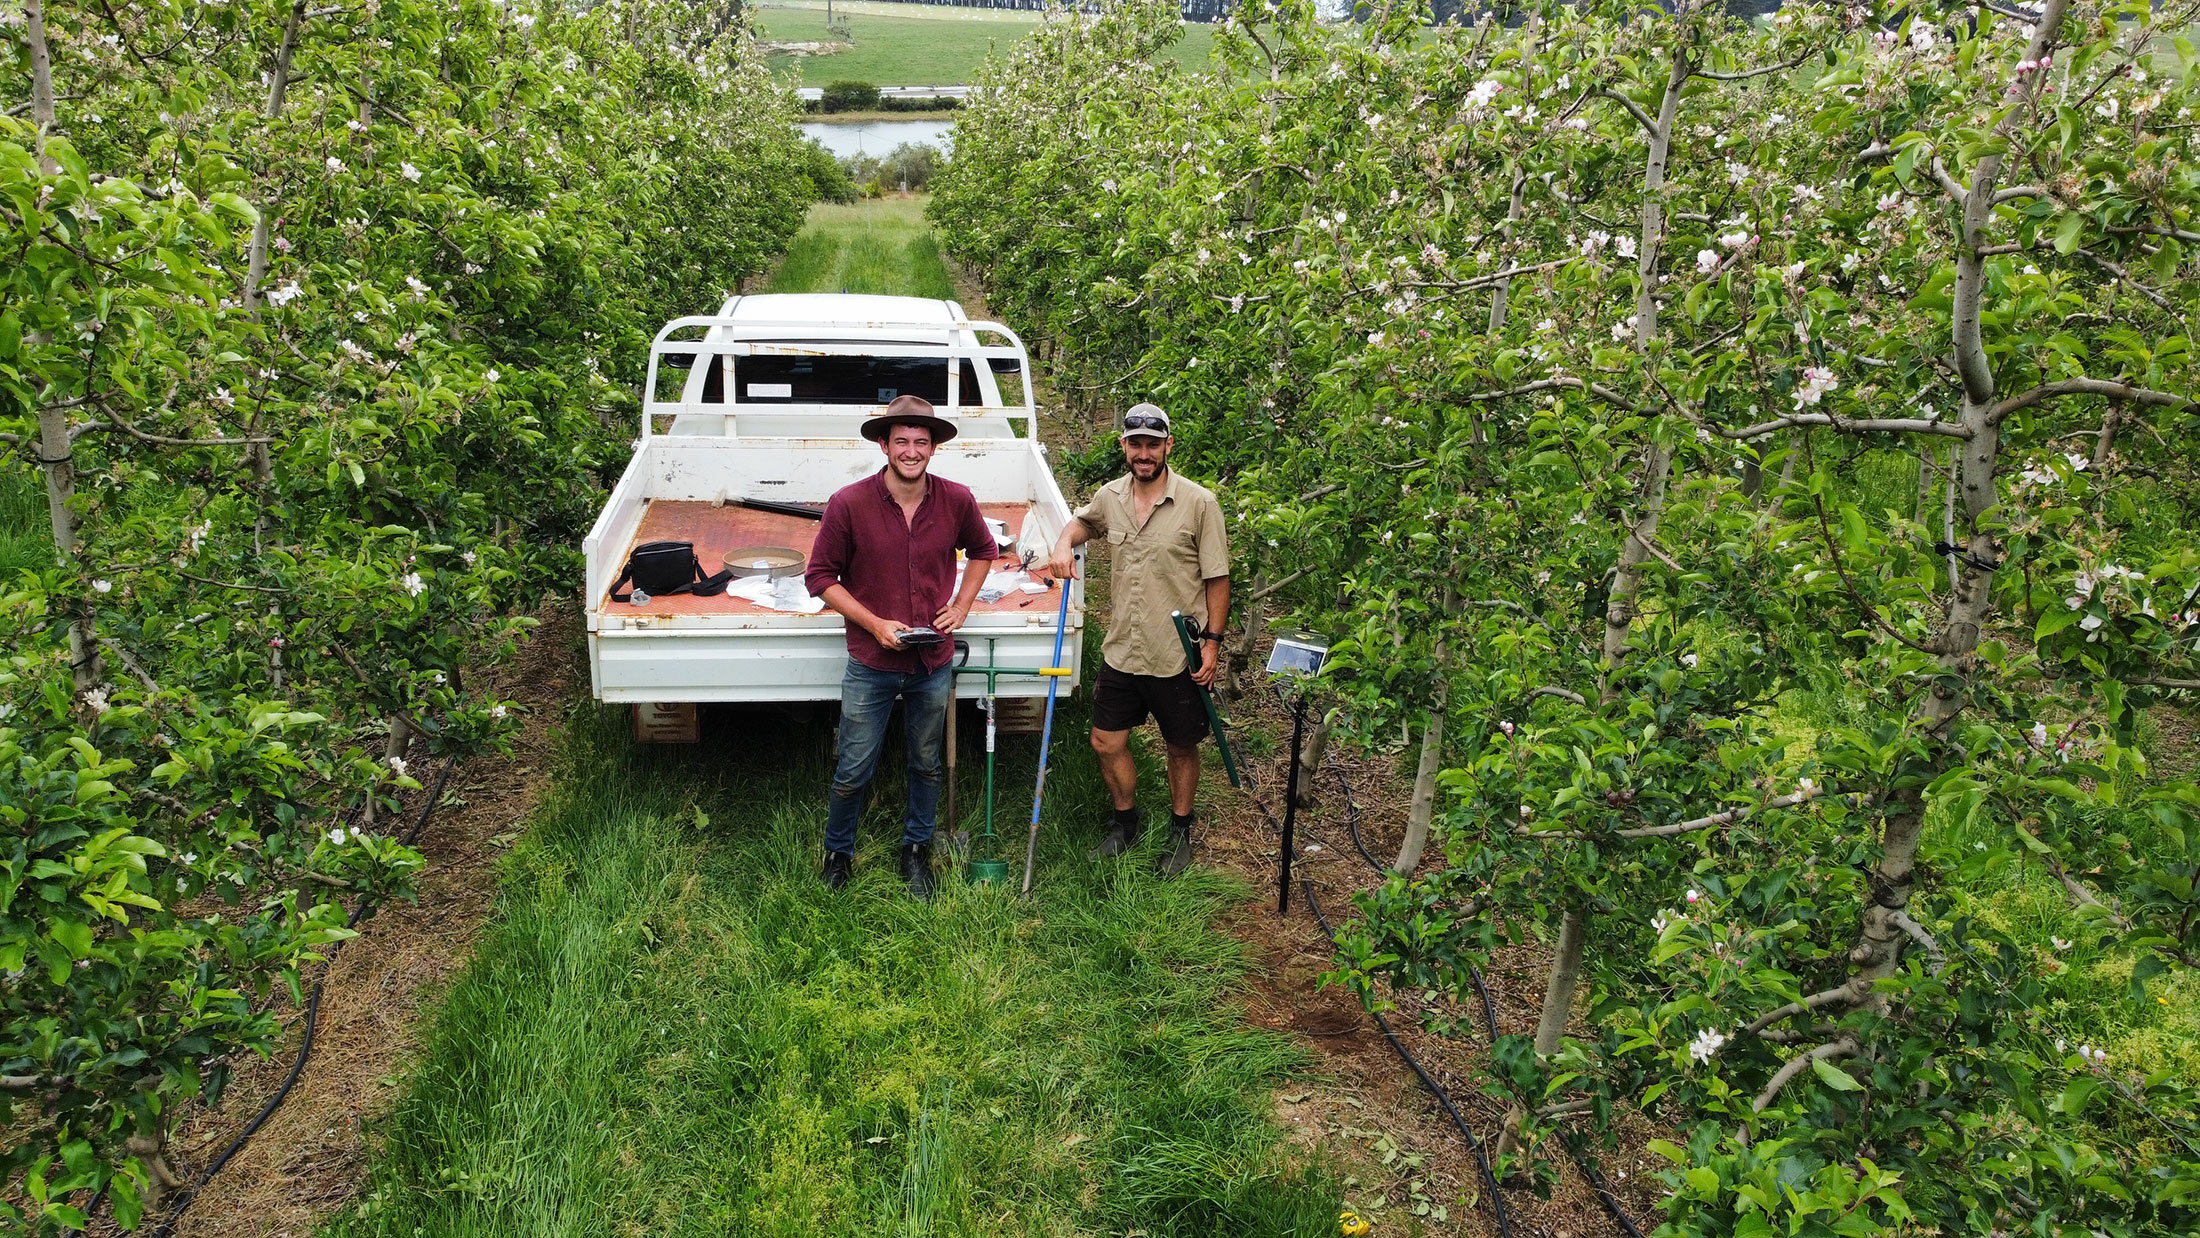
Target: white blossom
[[1707, 261], [1484, 91], [1706, 1045], [397, 766], [337, 836], [333, 164], [491, 376], [103, 586], [412, 584], [1817, 381], [1625, 245], [1921, 37], [1734, 240], [408, 171], [97, 699], [279, 297]]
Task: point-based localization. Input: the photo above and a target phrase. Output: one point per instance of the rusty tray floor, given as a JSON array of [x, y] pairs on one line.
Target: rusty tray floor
[[716, 530]]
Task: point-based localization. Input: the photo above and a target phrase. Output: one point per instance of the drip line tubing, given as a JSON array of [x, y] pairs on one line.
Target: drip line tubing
[[1588, 1170], [1481, 1157], [365, 908]]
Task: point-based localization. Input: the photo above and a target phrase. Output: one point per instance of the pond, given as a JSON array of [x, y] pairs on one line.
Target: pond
[[878, 137]]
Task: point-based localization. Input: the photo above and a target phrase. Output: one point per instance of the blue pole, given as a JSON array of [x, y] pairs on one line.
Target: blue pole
[[1046, 739]]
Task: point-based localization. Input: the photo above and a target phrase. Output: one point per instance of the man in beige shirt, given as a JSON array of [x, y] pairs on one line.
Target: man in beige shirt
[[1169, 552]]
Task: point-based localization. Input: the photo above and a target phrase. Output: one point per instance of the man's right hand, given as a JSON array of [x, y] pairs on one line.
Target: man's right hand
[[1064, 563], [887, 632]]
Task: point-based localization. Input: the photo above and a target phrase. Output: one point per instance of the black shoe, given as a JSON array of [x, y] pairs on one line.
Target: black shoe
[[839, 866], [916, 868], [1121, 837], [1180, 847]]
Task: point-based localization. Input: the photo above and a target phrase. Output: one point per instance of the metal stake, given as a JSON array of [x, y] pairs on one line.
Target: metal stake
[[1290, 805]]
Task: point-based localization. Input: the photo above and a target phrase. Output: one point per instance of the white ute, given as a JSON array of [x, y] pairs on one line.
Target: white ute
[[763, 402]]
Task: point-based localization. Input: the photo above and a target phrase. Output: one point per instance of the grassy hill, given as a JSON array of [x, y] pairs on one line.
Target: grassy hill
[[910, 44]]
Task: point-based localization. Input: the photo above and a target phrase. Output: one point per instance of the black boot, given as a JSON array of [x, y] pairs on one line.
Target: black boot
[[839, 866], [916, 868], [1121, 837], [1180, 846]]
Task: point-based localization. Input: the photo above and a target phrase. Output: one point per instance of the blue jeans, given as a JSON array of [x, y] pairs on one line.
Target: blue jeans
[[866, 706]]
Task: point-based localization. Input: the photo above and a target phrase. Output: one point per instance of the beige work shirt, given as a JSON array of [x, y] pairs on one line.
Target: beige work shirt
[[1159, 567]]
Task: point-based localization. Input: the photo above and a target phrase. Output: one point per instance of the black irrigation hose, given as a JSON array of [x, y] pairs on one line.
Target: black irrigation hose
[[305, 1048], [1489, 1022], [1481, 1157], [1596, 1180], [1352, 822]]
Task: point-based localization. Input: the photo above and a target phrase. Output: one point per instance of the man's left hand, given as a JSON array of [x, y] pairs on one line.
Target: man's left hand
[[1210, 661], [950, 618]]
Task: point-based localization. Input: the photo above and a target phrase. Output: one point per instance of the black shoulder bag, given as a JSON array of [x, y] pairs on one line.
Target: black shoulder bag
[[658, 569]]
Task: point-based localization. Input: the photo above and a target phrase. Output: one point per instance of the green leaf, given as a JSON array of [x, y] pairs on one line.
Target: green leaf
[[2067, 232], [1833, 1076], [2075, 1096]]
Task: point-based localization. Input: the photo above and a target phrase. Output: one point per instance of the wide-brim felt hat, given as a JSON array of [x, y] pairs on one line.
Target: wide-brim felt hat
[[909, 410]]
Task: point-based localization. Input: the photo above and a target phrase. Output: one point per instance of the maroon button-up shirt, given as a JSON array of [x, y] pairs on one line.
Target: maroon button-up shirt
[[899, 569]]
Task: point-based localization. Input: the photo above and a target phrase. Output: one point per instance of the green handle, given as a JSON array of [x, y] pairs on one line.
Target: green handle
[[1183, 625]]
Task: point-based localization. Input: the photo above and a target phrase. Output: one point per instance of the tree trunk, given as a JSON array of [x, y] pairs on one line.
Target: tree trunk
[[1619, 608], [1558, 1004], [59, 466], [42, 113], [1311, 751], [1973, 462], [1424, 781], [1238, 659], [2105, 442]]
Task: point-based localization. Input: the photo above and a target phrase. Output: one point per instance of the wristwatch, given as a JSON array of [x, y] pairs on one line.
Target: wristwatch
[[1213, 636]]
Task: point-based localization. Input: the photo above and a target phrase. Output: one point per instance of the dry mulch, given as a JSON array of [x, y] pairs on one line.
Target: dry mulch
[[311, 1156]]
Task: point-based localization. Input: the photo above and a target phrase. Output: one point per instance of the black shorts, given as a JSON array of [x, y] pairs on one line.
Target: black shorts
[[1121, 701]]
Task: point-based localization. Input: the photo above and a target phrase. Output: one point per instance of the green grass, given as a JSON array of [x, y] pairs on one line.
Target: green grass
[[25, 541], [912, 44], [670, 1026], [882, 246]]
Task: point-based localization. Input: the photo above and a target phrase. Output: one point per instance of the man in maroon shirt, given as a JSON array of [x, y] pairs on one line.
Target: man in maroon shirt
[[885, 560]]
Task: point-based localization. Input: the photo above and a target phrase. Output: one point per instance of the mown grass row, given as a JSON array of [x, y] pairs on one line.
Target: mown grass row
[[672, 1028], [878, 247], [917, 44]]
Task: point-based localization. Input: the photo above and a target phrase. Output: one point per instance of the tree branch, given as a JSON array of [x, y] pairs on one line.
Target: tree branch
[[1846, 425], [2120, 273], [1948, 183], [2014, 192], [1564, 694], [1851, 993], [122, 651], [2082, 386], [1712, 822], [1264, 591], [2157, 681], [1926, 941], [1633, 109], [1598, 390], [1834, 552], [1746, 74], [1796, 1065], [164, 441]]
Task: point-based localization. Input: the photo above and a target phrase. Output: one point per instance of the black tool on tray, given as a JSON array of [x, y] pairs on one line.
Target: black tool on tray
[[784, 509]]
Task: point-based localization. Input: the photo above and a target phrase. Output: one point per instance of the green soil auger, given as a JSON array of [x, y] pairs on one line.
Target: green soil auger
[[986, 865]]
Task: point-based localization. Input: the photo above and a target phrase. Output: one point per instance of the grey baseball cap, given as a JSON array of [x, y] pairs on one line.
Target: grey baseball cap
[[1145, 421]]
